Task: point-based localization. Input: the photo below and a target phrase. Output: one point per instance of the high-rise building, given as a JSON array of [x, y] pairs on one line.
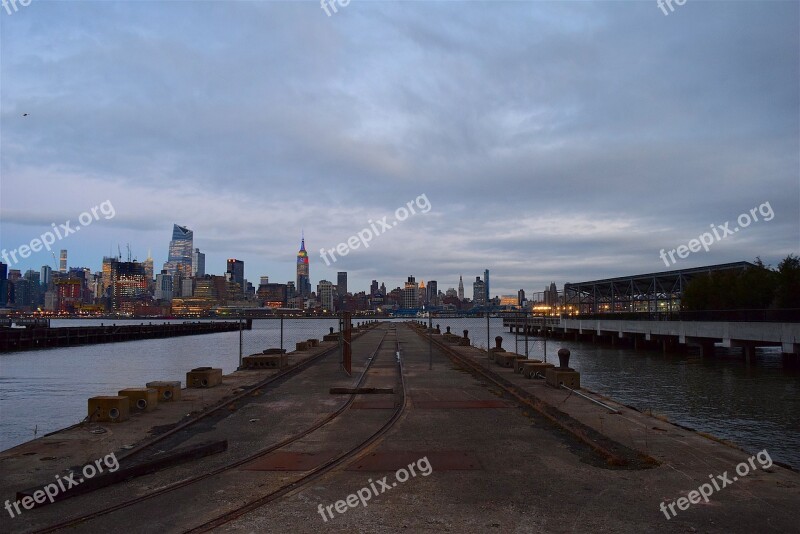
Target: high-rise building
[[62, 261], [46, 275], [3, 284], [325, 294], [486, 281], [127, 283], [341, 283], [478, 292], [148, 267], [187, 287], [164, 287], [236, 270], [291, 290], [179, 260], [303, 280], [520, 297], [198, 264], [410, 295], [460, 288], [373, 288], [433, 293]]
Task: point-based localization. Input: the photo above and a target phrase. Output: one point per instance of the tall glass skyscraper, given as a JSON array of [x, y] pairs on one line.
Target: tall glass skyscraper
[[179, 260], [303, 281]]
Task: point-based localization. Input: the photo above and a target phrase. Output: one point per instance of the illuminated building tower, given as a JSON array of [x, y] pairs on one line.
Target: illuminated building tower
[[460, 288], [303, 281], [128, 284], [179, 260], [422, 294], [62, 264]]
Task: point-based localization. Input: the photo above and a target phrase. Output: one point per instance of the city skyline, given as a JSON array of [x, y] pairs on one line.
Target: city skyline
[[576, 154]]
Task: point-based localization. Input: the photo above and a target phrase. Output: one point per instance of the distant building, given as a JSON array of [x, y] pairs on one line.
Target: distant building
[[303, 280], [164, 286], [410, 296], [520, 297], [341, 283], [325, 294], [179, 260], [3, 284], [236, 271], [46, 275], [198, 263], [460, 288], [433, 293], [373, 288], [509, 301], [272, 295], [187, 287], [478, 292], [486, 282], [148, 271], [68, 295], [62, 261], [125, 283]]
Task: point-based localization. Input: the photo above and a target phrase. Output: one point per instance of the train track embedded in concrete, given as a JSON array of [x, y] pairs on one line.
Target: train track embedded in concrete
[[283, 489]]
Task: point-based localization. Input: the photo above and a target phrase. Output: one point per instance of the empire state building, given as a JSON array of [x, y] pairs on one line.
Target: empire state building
[[303, 281]]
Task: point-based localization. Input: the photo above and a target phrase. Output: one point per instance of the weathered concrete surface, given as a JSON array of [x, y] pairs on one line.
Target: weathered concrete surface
[[526, 476]]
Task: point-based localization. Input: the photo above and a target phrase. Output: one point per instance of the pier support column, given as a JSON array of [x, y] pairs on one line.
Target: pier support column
[[707, 348], [749, 353]]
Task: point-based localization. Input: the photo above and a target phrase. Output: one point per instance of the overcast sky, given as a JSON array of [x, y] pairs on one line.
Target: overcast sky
[[554, 141]]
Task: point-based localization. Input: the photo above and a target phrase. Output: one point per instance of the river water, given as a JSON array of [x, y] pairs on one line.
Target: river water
[[756, 406]]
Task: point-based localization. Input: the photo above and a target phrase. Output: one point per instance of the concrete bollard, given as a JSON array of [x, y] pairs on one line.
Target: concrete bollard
[[301, 345], [465, 340]]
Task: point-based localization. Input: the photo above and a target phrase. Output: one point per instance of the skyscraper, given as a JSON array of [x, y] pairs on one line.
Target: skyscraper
[[433, 293], [198, 264], [460, 288], [3, 284], [303, 280], [179, 260], [341, 283], [46, 274], [410, 295], [486, 281], [62, 263], [325, 294], [236, 270], [148, 269], [478, 292]]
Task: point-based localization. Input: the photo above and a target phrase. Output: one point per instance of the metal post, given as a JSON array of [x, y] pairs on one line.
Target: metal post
[[281, 334], [544, 335], [488, 344], [240, 342], [430, 342], [525, 333], [516, 334]]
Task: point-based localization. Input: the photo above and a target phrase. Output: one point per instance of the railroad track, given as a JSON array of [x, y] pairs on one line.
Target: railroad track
[[284, 489]]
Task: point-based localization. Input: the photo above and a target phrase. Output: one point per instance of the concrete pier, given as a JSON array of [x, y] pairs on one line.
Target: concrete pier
[[497, 464]]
